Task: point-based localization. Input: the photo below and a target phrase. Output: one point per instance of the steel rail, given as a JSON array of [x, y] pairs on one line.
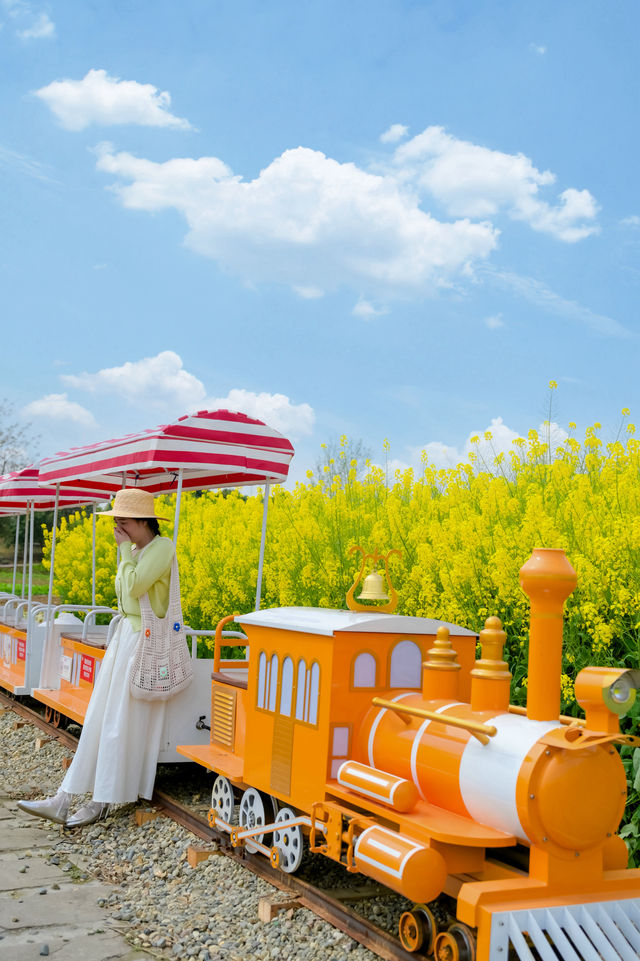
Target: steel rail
[[335, 912], [320, 902]]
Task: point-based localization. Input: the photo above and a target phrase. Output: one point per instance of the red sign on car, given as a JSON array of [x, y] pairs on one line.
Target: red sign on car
[[87, 668]]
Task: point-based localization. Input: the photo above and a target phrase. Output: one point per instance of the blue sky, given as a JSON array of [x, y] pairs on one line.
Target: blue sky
[[386, 219]]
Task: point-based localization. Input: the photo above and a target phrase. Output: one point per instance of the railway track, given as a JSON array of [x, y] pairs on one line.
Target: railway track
[[335, 910]]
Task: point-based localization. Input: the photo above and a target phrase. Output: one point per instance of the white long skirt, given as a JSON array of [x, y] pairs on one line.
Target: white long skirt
[[118, 750]]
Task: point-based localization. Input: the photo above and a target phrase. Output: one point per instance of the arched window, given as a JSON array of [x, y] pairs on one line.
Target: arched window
[[406, 665], [314, 693], [273, 682], [301, 690], [308, 692], [364, 670], [286, 691], [262, 679]]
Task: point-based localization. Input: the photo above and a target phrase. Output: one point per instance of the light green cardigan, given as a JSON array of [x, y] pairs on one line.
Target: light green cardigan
[[144, 572]]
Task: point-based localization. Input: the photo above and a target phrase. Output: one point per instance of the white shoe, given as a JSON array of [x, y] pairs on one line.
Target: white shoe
[[53, 808], [91, 812]]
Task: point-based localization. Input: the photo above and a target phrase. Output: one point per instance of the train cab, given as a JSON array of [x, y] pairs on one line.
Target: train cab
[[283, 720]]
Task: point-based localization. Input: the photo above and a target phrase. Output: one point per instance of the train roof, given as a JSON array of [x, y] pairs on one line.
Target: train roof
[[322, 620]]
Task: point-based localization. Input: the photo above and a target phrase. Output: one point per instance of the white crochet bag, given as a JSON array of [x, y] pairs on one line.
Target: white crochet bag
[[162, 664]]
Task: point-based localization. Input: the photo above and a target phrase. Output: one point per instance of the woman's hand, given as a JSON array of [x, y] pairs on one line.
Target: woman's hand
[[120, 535]]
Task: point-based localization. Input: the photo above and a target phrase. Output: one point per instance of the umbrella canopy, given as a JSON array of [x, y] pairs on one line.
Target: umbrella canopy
[[23, 491], [23, 488], [211, 449]]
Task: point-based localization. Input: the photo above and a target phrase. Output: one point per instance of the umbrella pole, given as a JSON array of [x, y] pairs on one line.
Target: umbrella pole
[[25, 551], [30, 559], [15, 554], [93, 558], [176, 516], [262, 541], [53, 548]]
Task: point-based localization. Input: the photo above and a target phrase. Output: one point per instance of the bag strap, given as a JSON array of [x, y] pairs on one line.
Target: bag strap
[[174, 607]]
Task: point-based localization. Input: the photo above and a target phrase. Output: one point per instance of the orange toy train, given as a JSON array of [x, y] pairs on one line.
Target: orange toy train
[[384, 744]]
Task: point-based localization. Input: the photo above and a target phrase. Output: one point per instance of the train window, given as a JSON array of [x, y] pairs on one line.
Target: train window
[[406, 665], [286, 691], [314, 693], [273, 682], [340, 741], [364, 670], [340, 748], [308, 692], [262, 679], [301, 689]]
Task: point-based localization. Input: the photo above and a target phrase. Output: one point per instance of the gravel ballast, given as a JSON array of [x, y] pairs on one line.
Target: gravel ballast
[[166, 906]]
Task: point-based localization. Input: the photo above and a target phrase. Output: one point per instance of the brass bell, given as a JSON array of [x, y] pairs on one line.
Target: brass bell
[[373, 588]]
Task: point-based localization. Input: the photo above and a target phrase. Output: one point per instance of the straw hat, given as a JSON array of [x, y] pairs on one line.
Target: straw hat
[[134, 502]]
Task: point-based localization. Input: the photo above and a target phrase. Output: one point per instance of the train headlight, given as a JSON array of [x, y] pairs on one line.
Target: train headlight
[[605, 694], [620, 695]]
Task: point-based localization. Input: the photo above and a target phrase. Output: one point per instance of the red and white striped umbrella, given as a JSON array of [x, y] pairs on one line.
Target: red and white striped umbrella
[[23, 488], [22, 492], [211, 449]]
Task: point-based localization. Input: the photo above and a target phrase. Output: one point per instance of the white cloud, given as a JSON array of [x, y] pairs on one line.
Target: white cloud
[[161, 382], [153, 382], [537, 293], [307, 221], [24, 164], [395, 132], [367, 310], [41, 27], [309, 293], [276, 410], [31, 23], [101, 99], [494, 321], [474, 181], [538, 48], [632, 221], [59, 407]]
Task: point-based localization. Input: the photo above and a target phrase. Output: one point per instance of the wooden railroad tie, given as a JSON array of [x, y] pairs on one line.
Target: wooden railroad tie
[[271, 906], [18, 724], [146, 814], [196, 854], [66, 763], [41, 741]]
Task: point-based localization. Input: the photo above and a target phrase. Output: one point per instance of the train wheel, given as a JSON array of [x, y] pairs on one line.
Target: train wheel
[[417, 929], [457, 943], [256, 809], [56, 719], [289, 841], [48, 714], [222, 799]]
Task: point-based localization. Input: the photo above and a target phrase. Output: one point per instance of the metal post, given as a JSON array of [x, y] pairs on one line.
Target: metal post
[[176, 516], [31, 525], [15, 554], [93, 558], [53, 548], [25, 550], [262, 542]]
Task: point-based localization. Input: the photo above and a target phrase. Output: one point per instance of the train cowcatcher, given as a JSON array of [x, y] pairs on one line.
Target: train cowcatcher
[[386, 745]]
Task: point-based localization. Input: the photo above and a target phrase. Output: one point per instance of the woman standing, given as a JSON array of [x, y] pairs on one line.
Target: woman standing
[[118, 750]]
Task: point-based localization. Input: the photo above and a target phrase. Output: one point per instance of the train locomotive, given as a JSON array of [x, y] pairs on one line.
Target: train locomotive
[[383, 743]]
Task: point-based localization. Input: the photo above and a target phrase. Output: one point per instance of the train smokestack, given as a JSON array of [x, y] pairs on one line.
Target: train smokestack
[[547, 579]]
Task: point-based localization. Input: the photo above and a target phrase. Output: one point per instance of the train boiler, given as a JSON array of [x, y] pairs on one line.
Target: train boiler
[[387, 746]]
